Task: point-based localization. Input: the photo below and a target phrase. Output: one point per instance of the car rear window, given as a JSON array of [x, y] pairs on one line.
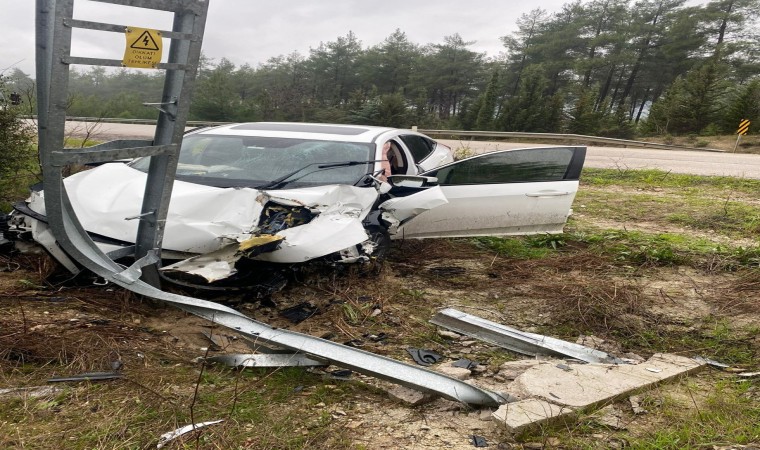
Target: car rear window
[[419, 146]]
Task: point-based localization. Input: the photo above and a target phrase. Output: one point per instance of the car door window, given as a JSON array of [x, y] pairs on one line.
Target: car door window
[[397, 159], [519, 166], [418, 146]]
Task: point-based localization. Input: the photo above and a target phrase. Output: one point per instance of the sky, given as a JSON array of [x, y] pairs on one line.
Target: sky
[[252, 31]]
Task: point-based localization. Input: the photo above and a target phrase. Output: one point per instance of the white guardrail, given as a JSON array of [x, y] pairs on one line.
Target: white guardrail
[[454, 134]]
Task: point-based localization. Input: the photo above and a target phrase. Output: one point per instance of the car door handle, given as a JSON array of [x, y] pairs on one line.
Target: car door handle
[[547, 194]]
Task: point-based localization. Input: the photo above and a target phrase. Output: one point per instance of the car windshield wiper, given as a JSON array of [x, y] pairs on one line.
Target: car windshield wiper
[[285, 179]]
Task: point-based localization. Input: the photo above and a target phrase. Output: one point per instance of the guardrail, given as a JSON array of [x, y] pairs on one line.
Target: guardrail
[[561, 137], [456, 134]]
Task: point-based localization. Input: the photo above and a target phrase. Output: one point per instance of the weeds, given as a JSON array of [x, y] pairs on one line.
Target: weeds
[[652, 178]]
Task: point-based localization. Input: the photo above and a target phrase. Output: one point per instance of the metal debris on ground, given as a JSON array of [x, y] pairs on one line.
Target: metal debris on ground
[[712, 362], [748, 374], [266, 360], [424, 357], [171, 435], [516, 340], [88, 376], [300, 312]]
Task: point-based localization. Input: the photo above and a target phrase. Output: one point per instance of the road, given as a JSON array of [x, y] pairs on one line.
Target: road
[[676, 161]]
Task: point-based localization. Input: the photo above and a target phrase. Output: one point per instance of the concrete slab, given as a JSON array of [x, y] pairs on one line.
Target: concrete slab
[[522, 415], [588, 385], [549, 392], [512, 369]]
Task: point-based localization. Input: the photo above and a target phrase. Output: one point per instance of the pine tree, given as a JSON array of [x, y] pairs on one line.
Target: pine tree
[[486, 111]]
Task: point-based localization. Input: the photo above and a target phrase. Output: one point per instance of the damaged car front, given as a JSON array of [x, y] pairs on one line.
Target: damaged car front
[[278, 193]]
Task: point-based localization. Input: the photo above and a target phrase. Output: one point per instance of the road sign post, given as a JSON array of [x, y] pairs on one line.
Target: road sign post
[[743, 129]]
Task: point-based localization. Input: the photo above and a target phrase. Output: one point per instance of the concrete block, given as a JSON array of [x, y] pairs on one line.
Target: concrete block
[[587, 385], [409, 396], [460, 373], [522, 415]]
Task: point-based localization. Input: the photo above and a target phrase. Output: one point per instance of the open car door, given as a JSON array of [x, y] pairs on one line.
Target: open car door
[[508, 192]]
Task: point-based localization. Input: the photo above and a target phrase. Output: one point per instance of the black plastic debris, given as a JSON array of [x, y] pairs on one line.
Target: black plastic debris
[[424, 357], [354, 343], [88, 376], [478, 441], [300, 312], [465, 364], [341, 374]]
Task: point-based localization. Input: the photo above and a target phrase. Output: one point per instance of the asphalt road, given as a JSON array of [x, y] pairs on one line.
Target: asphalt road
[[677, 161]]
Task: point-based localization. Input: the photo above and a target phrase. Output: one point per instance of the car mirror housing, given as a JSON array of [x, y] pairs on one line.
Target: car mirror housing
[[414, 181]]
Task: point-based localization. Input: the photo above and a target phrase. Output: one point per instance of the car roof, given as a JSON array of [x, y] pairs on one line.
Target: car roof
[[311, 131]]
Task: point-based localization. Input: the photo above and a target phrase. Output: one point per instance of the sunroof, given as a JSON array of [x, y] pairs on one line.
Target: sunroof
[[302, 128]]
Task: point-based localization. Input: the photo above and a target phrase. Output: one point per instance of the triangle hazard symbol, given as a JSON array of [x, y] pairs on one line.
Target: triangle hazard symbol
[[145, 42]]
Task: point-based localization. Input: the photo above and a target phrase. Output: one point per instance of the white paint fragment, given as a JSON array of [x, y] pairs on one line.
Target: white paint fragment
[[170, 436]]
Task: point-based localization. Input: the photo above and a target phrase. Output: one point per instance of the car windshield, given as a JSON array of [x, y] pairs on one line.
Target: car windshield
[[256, 161]]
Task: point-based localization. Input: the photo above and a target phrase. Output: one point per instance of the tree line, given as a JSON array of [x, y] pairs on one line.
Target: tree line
[[601, 67]]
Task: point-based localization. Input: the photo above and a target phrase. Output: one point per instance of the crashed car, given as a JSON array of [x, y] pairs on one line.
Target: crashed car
[[292, 192]]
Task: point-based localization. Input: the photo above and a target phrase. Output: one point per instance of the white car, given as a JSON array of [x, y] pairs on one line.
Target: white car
[[294, 192]]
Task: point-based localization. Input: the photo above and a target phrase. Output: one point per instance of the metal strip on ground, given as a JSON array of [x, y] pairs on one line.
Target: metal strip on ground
[[516, 340]]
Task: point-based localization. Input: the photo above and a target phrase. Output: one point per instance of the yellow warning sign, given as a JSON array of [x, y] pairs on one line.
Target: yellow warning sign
[[743, 127], [143, 48]]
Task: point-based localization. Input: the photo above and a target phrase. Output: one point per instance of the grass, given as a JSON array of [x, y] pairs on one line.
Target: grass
[[729, 415], [653, 178]]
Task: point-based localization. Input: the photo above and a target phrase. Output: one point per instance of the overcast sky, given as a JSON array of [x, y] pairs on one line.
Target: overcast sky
[[251, 31]]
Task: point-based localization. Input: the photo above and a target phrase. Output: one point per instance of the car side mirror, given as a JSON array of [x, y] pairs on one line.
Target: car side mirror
[[413, 181]]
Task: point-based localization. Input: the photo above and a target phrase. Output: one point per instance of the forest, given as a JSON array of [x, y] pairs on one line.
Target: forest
[[613, 68]]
